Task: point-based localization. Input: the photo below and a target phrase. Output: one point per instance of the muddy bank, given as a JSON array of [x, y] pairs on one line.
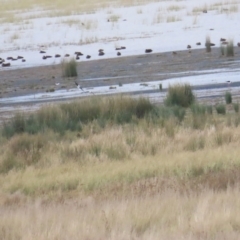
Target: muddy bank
[[107, 72]]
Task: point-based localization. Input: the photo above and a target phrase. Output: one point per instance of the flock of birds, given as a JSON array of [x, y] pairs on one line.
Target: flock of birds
[[6, 62]]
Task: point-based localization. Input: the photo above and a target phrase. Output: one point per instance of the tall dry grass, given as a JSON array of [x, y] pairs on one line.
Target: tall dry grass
[[167, 215], [160, 176], [122, 154]]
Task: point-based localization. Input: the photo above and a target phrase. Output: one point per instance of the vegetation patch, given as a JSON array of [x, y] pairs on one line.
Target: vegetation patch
[[72, 116], [228, 49], [180, 95], [221, 109], [69, 68], [208, 44], [228, 98]]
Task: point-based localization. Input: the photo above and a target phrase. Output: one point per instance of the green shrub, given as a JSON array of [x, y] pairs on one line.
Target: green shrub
[[221, 109], [228, 98], [69, 68], [71, 116], [228, 49], [236, 107], [180, 95], [199, 117], [143, 107], [18, 125], [198, 109], [179, 112]]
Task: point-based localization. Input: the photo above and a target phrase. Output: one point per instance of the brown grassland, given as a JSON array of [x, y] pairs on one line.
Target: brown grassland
[[146, 178]]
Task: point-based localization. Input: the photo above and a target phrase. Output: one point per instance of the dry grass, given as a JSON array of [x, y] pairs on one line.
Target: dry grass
[[141, 180], [104, 177], [98, 158], [167, 215], [173, 18], [85, 24], [61, 8], [11, 9], [114, 18], [175, 8], [163, 207], [158, 18], [227, 7]]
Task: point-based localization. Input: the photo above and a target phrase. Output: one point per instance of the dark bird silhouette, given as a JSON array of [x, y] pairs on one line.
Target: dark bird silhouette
[[228, 83], [148, 50], [6, 64]]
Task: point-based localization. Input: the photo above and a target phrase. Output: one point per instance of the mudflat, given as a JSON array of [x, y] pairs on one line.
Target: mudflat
[[121, 70]]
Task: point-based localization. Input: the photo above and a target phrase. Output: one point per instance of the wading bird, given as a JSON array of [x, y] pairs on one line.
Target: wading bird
[[78, 86]]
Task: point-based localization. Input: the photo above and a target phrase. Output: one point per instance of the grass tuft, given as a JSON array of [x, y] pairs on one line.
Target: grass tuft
[[72, 116], [230, 49], [221, 109], [69, 68], [208, 44], [227, 50], [160, 87], [228, 98], [180, 95]]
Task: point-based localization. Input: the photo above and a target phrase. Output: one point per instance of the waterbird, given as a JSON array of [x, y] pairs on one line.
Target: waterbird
[[78, 86], [228, 82]]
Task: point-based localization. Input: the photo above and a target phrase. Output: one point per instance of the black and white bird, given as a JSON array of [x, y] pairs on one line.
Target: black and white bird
[[78, 86]]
